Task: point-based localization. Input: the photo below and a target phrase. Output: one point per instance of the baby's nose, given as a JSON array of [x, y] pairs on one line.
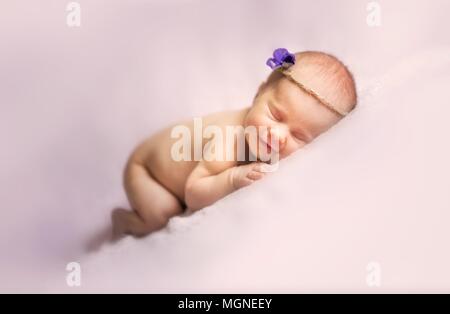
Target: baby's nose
[[276, 136]]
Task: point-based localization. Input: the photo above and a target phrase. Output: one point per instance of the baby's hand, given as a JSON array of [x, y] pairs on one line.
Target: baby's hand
[[247, 174]]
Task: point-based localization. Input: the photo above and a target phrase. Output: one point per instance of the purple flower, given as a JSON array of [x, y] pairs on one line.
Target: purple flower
[[281, 58]]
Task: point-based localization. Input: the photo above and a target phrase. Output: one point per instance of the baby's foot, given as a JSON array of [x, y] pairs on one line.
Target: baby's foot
[[245, 175]]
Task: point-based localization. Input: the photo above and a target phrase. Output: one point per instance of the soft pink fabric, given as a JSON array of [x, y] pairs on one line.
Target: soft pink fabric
[[75, 101]]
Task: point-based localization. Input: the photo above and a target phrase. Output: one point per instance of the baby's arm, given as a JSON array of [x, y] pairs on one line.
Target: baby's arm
[[211, 181]]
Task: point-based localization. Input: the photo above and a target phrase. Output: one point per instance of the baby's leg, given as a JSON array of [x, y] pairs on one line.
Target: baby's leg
[[153, 205]]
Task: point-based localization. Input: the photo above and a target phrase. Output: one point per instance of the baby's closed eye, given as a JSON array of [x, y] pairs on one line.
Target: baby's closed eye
[[276, 115], [298, 136]]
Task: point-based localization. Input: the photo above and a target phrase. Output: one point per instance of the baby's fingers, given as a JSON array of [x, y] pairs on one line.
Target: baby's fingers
[[258, 166], [246, 182], [255, 175], [264, 167]]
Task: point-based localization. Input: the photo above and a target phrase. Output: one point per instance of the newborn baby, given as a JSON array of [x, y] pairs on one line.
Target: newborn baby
[[305, 95]]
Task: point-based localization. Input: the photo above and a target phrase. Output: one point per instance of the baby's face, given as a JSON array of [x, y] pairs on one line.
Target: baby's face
[[293, 117]]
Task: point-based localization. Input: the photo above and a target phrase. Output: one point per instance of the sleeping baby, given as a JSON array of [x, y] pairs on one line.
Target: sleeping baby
[[171, 174]]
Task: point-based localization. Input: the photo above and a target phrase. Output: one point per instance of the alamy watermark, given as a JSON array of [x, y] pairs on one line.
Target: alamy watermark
[[373, 18], [73, 18], [222, 147], [73, 277], [373, 277]]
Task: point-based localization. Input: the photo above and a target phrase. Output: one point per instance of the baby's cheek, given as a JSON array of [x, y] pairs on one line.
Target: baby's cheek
[[292, 147], [255, 120], [265, 122], [257, 117]]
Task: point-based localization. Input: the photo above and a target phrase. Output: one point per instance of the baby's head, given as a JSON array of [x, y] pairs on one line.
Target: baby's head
[[298, 103]]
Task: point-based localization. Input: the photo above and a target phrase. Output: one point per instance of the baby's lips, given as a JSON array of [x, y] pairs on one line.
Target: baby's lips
[[271, 149]]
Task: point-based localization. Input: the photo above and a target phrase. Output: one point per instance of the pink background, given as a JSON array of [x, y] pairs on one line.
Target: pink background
[[75, 101]]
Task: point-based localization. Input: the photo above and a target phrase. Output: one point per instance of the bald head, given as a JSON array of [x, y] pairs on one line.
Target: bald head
[[326, 75]]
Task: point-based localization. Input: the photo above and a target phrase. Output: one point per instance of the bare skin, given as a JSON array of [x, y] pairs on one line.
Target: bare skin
[[159, 187], [156, 185]]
